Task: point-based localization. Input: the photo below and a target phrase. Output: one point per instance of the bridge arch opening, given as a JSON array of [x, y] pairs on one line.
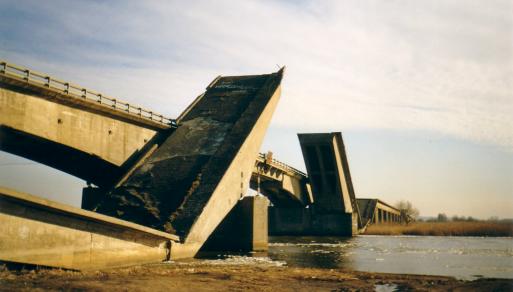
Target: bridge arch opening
[[35, 178]]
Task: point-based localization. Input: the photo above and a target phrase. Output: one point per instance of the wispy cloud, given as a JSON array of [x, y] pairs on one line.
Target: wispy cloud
[[449, 64]]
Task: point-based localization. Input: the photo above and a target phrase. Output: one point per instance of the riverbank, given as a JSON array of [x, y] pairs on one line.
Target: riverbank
[[198, 276], [479, 228]]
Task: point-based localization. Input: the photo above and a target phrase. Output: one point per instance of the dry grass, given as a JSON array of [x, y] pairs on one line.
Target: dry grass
[[444, 229]]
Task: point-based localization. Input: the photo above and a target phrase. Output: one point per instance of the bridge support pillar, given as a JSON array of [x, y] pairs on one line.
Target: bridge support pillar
[[308, 221], [244, 229]]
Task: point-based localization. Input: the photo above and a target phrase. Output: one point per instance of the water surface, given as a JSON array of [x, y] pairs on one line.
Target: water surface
[[460, 257]]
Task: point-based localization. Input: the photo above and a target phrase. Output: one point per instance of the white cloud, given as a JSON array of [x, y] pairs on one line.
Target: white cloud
[[444, 66]]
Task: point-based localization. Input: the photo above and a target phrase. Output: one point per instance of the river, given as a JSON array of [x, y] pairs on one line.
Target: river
[[465, 258]]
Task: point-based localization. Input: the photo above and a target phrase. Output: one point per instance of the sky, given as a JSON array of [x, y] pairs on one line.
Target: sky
[[422, 91]]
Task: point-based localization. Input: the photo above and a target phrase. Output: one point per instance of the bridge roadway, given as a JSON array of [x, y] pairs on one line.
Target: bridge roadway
[[100, 138]]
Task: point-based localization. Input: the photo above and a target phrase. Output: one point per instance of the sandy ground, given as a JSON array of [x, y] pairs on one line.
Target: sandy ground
[[207, 277]]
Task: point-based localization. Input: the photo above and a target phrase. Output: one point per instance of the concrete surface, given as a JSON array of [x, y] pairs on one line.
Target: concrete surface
[[189, 184], [309, 221], [284, 185], [43, 232], [49, 130], [243, 229], [111, 139], [330, 178], [375, 211]]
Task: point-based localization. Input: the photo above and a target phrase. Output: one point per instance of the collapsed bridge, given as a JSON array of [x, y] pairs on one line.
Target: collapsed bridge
[[170, 184]]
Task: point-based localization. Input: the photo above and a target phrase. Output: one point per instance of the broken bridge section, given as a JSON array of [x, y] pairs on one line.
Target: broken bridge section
[[188, 185], [328, 169]]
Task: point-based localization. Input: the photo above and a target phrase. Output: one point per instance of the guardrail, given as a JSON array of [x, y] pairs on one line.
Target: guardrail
[[284, 166], [75, 91]]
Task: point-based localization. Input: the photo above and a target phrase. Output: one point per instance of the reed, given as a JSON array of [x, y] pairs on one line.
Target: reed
[[479, 228]]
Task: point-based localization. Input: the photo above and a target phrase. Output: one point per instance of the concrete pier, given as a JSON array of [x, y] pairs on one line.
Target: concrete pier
[[309, 221], [181, 180], [244, 229]]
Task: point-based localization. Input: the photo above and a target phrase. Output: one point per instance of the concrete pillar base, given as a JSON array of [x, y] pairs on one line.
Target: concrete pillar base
[[308, 221], [243, 229]]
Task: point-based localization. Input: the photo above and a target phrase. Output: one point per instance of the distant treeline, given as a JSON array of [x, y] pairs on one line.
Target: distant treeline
[[446, 228], [444, 218]]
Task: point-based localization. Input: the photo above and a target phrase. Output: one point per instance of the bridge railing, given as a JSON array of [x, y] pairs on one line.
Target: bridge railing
[[75, 91], [281, 165]]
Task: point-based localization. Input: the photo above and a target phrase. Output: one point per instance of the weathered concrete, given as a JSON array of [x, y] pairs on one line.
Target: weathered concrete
[[43, 232], [101, 139], [76, 126], [328, 170], [284, 185], [290, 221], [189, 184], [182, 181], [54, 129], [245, 228], [375, 211], [309, 221]]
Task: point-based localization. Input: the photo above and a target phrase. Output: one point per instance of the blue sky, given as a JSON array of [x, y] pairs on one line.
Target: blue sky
[[422, 90]]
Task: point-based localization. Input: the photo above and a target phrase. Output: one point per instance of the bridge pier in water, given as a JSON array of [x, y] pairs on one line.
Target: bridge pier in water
[[245, 228]]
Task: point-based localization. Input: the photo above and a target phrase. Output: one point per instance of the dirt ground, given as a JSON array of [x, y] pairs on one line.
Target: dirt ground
[[204, 277]]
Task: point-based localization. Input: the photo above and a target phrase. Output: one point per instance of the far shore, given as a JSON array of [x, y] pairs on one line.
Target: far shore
[[459, 228]]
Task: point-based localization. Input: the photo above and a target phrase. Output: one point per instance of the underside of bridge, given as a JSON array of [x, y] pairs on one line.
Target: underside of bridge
[[91, 141]]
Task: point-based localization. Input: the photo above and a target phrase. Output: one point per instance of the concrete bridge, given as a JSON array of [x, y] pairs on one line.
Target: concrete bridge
[[177, 181], [375, 211], [100, 138], [283, 184], [332, 209], [200, 164]]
